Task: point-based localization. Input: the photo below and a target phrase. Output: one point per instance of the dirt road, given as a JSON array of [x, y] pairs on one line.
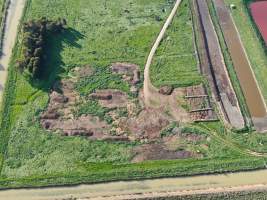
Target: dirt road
[[14, 15], [149, 89], [152, 97], [119, 190]]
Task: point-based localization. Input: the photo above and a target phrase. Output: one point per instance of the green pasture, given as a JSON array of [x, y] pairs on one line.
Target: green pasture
[[100, 33]]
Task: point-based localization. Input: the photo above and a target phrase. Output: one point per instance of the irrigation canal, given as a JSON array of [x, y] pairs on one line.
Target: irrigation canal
[[245, 74]]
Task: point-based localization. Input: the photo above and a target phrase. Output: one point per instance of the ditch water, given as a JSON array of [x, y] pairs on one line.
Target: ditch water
[[254, 99]]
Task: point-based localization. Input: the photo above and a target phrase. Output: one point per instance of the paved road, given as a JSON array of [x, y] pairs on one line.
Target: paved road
[[14, 15]]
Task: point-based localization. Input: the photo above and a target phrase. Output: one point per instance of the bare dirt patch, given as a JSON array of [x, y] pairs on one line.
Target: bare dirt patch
[[200, 106], [59, 114], [83, 71], [130, 119], [111, 98], [131, 73], [159, 152], [148, 124]]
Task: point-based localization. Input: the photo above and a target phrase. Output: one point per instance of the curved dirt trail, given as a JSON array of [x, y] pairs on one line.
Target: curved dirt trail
[[14, 14], [149, 90], [152, 97]]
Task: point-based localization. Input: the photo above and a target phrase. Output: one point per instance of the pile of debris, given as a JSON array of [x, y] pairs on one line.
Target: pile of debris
[[166, 90]]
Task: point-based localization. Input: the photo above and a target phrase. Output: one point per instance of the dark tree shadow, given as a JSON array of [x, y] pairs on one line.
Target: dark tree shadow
[[52, 64]]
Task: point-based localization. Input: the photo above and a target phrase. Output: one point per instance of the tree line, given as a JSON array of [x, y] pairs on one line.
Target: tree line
[[34, 37]]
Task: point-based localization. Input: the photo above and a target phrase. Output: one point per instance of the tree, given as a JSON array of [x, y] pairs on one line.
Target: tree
[[35, 33]]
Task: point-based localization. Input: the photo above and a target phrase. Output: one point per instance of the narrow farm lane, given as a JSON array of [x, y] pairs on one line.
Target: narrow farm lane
[[14, 14], [152, 97], [243, 181], [150, 92]]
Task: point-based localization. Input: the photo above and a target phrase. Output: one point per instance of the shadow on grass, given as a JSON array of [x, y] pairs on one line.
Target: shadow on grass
[[53, 66]]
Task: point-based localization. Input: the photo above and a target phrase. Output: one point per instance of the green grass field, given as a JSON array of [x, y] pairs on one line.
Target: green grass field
[[99, 33], [175, 62]]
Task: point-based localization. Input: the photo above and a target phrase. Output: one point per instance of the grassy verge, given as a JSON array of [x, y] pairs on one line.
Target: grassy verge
[[3, 6], [154, 169]]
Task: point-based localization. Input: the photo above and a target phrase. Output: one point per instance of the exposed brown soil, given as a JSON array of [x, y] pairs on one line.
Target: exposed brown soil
[[137, 123], [159, 152], [59, 115], [166, 90], [200, 105], [130, 72], [111, 98], [148, 124], [169, 147], [83, 71]]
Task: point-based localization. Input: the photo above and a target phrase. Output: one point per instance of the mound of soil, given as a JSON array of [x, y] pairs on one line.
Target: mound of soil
[[166, 90]]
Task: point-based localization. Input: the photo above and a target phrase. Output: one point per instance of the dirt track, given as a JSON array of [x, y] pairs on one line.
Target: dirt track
[[149, 90], [14, 15], [152, 97], [151, 188]]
